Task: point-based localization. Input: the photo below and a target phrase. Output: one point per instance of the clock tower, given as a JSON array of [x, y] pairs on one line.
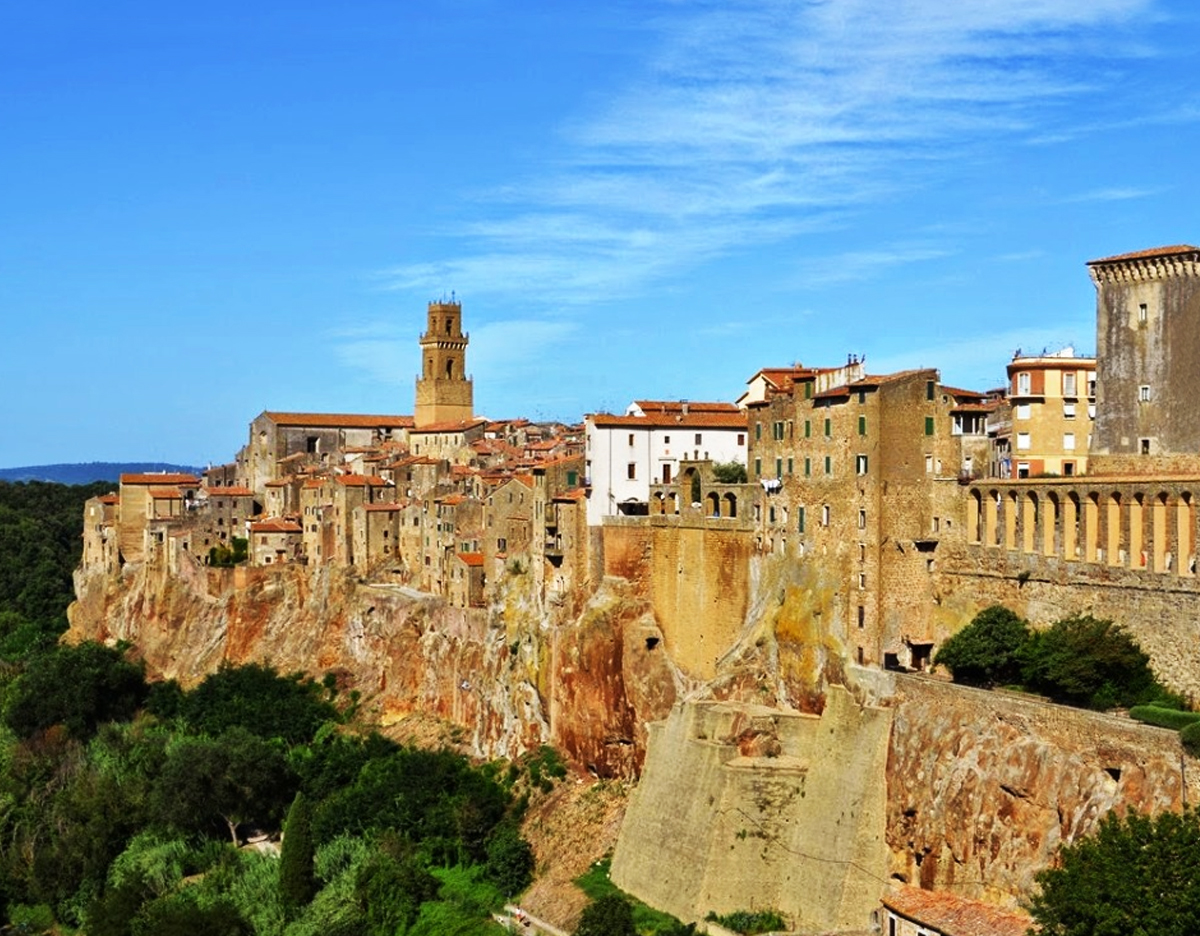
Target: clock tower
[[444, 392]]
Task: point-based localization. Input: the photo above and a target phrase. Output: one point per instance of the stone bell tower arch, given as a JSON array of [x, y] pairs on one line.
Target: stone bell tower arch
[[444, 392]]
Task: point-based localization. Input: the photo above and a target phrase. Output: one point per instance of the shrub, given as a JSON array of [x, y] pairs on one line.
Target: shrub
[[729, 472], [1164, 717], [750, 922], [987, 652], [1088, 662], [1190, 738]]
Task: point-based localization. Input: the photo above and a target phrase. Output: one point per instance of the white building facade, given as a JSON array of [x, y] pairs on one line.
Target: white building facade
[[628, 453]]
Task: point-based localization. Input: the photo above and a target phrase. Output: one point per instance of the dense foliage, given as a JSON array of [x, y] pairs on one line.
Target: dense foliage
[[750, 922], [1082, 660], [1136, 875], [987, 652], [729, 472], [125, 808]]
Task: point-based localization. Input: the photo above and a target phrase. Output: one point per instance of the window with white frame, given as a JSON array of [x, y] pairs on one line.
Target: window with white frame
[[1024, 382], [1023, 444], [1022, 411], [1068, 411], [1144, 393], [1068, 384], [1068, 441]]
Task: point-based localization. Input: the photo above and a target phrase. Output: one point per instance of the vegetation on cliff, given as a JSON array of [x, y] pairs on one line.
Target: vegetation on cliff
[[1083, 661], [1135, 875], [125, 807]]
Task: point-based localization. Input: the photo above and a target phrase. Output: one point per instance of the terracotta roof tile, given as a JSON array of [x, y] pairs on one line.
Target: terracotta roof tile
[[231, 491], [339, 420], [164, 478], [1173, 251], [677, 406], [357, 480], [734, 420], [954, 915], [110, 499], [373, 508], [275, 525], [461, 425], [471, 559]]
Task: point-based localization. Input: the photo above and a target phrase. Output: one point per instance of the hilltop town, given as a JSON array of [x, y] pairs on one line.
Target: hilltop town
[[786, 561]]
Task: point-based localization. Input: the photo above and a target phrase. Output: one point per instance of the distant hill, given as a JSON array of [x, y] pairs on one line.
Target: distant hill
[[87, 473]]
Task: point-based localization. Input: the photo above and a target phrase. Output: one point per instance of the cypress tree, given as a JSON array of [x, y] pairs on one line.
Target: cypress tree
[[297, 885]]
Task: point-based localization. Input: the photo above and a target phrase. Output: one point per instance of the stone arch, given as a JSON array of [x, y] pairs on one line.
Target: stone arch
[[1114, 543], [730, 505], [1051, 525], [712, 504], [1161, 551], [1029, 521], [671, 505], [1071, 528], [1185, 533], [449, 368], [975, 517]]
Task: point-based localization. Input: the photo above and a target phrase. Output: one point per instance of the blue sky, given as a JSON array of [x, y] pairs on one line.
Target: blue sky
[[211, 210]]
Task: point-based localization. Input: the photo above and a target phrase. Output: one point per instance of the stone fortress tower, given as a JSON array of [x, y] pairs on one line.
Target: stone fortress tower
[[444, 392], [1148, 362]]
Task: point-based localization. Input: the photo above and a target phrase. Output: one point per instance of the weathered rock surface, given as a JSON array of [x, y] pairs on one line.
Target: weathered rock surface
[[513, 676]]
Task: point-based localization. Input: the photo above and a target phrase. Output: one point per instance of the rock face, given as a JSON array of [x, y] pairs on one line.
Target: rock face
[[983, 787], [513, 676]]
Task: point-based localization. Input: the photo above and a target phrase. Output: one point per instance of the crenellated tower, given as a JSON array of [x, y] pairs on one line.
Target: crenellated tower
[[444, 392]]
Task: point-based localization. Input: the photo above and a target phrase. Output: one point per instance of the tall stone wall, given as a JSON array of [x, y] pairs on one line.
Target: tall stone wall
[[1161, 612], [696, 580], [984, 787], [743, 807]]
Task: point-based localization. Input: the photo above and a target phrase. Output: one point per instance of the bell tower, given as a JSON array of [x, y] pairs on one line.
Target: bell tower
[[444, 392]]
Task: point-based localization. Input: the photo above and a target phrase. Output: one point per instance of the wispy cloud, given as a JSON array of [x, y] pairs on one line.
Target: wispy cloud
[[1116, 193], [759, 121]]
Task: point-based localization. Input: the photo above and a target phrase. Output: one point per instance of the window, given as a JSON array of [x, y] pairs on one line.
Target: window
[[808, 391], [807, 429], [757, 431], [860, 464], [1091, 411], [573, 477], [1144, 393], [929, 389], [828, 427], [631, 438], [1068, 385], [825, 515], [1142, 313], [862, 518], [862, 397], [928, 464], [758, 467], [771, 514], [741, 438], [777, 430], [666, 440], [1144, 446], [1022, 411], [1068, 411], [790, 465], [1068, 441], [799, 519], [1091, 380], [929, 425], [862, 620], [862, 580], [630, 473], [1024, 382], [828, 464], [807, 467], [1023, 442], [779, 467], [862, 425], [698, 435]]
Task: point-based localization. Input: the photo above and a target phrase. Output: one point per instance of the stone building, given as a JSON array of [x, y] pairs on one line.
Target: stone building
[[444, 392], [143, 497], [1052, 398], [310, 440], [627, 454], [274, 541], [100, 534], [860, 480], [1148, 354], [912, 911]]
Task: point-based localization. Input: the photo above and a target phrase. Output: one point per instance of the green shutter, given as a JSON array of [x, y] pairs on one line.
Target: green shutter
[[862, 425], [928, 425]]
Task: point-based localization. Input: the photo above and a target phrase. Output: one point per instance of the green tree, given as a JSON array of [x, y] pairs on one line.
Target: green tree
[[391, 886], [1137, 875], [611, 915], [259, 700], [987, 652], [237, 778], [297, 884], [79, 687], [1089, 662], [509, 862], [729, 472]]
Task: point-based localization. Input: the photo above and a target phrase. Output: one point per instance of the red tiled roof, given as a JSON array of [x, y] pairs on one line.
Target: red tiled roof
[[677, 406], [471, 559], [954, 915], [372, 508], [452, 500], [1173, 251], [733, 420], [278, 482], [110, 499], [275, 525], [312, 483], [164, 478], [357, 480], [461, 425], [231, 491], [339, 420]]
